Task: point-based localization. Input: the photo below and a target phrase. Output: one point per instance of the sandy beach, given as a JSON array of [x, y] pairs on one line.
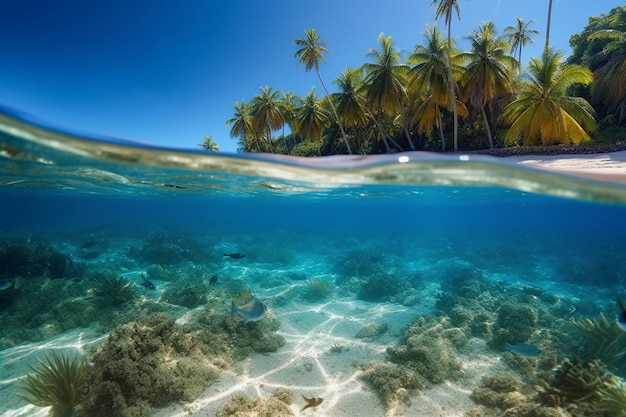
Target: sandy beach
[[603, 166]]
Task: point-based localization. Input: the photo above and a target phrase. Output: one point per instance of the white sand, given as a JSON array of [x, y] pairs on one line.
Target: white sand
[[605, 166]]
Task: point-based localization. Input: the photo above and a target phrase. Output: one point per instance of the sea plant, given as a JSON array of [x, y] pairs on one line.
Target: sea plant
[[337, 348], [59, 382], [319, 288], [603, 339], [114, 291]]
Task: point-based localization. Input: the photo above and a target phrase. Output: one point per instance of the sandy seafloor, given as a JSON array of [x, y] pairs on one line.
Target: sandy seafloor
[[304, 365]]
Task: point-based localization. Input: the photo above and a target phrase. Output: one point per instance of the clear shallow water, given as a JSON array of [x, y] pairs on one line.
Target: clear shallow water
[[416, 221]]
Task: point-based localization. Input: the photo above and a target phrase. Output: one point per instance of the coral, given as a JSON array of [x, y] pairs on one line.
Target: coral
[[151, 363], [460, 316], [392, 381], [240, 405], [169, 249], [30, 257], [60, 382], [372, 330], [255, 337], [190, 295], [463, 281], [515, 323], [382, 287], [111, 290], [319, 288], [358, 263], [429, 349], [604, 340]]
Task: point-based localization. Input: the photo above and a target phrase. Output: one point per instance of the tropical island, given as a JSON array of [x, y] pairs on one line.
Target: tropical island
[[500, 105]]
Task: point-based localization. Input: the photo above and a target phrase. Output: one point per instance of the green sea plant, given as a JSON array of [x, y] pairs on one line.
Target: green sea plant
[[319, 288], [337, 348], [111, 290], [604, 339], [59, 382]]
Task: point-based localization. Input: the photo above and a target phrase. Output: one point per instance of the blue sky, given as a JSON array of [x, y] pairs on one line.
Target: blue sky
[[169, 72]]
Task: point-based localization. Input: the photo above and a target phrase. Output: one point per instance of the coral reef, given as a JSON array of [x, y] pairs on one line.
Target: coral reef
[[319, 289], [358, 263], [382, 287], [275, 405], [189, 295], [31, 257], [515, 323], [372, 330], [149, 364], [499, 391], [393, 382], [59, 382], [169, 249]]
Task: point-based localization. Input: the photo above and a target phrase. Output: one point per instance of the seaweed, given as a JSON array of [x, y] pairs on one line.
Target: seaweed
[[112, 290], [319, 288], [59, 382], [603, 339], [382, 287]]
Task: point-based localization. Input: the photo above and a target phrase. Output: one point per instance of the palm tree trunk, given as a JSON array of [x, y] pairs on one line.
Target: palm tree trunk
[[548, 26], [332, 106], [452, 92], [408, 137], [440, 127], [383, 134], [487, 128]]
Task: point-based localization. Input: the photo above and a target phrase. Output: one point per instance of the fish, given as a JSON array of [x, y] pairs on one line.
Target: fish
[[524, 349], [311, 402], [253, 310], [621, 317], [5, 284], [585, 308], [90, 255], [235, 255], [213, 280], [146, 282]]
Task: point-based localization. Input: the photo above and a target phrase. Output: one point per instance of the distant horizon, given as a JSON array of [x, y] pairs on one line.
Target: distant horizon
[[170, 75]]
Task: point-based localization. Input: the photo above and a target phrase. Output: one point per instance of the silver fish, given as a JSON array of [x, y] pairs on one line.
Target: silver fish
[[524, 349], [253, 310], [5, 285]]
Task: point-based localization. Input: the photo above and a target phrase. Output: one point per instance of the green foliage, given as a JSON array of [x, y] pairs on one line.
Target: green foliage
[[59, 381]]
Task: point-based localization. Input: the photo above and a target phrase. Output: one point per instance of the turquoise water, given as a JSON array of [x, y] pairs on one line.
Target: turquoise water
[[394, 238]]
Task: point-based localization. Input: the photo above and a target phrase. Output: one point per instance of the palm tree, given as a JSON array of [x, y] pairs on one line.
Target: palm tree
[[444, 8], [209, 144], [310, 54], [242, 127], [349, 100], [519, 36], [609, 87], [266, 114], [430, 76], [384, 86], [311, 118], [487, 75], [543, 113]]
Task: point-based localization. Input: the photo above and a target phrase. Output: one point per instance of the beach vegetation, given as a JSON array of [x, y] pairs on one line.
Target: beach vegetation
[[484, 97], [544, 113], [60, 381]]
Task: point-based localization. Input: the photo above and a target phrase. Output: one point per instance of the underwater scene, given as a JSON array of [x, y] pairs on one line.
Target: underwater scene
[[145, 281]]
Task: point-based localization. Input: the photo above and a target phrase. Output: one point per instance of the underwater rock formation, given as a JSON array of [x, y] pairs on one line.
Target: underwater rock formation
[[382, 287], [240, 405], [188, 295], [393, 382], [371, 330]]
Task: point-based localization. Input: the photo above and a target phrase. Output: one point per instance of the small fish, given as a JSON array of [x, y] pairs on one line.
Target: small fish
[[311, 402], [253, 310], [213, 280], [621, 317], [235, 255], [90, 255], [5, 284], [147, 283], [585, 308], [524, 349]]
